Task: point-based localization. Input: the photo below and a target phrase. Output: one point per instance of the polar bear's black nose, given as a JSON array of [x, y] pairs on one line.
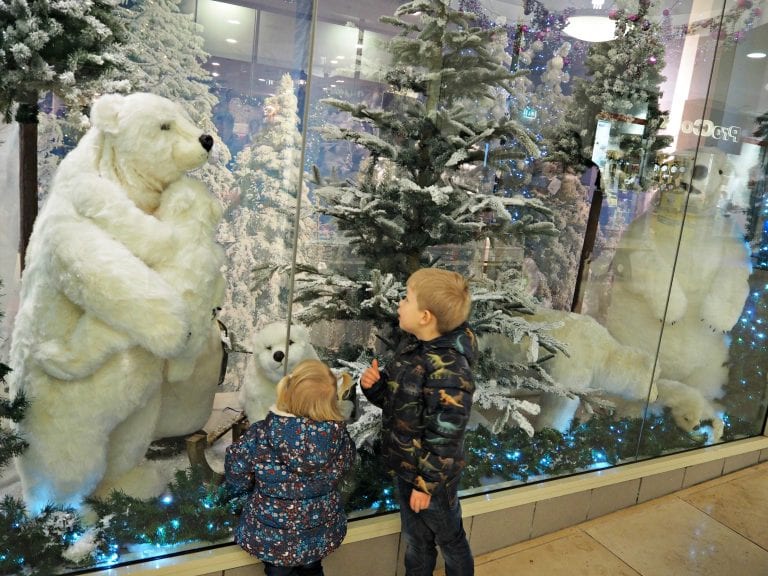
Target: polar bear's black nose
[[278, 356], [207, 141]]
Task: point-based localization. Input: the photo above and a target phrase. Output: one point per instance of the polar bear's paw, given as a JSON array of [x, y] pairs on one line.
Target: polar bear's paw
[[61, 363]]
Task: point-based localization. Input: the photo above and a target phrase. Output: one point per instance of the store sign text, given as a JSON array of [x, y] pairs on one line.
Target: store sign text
[[709, 129]]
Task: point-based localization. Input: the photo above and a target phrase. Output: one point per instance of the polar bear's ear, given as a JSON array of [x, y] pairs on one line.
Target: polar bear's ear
[[105, 111]]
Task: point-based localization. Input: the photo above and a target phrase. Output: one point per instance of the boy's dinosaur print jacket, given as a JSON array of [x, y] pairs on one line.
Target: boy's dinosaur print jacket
[[425, 393], [291, 468]]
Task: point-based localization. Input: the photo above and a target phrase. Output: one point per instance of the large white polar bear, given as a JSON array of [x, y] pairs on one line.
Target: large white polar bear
[[596, 364], [107, 268], [681, 291]]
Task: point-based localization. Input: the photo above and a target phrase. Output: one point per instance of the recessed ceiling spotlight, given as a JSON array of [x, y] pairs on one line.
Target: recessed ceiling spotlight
[[756, 55], [230, 41], [339, 57], [215, 64], [334, 61], [215, 74], [232, 21]]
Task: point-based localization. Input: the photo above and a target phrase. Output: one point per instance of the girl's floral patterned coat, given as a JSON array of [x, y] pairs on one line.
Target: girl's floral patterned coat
[[292, 468]]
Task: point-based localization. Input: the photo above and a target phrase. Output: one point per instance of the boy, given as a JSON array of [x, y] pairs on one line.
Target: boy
[[426, 395]]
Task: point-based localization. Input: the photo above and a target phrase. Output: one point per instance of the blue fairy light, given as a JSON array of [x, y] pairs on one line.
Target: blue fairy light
[[514, 455], [599, 456]]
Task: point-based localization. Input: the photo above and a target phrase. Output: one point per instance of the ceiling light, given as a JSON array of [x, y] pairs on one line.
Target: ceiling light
[[231, 21], [591, 28], [597, 4], [756, 55], [231, 41]]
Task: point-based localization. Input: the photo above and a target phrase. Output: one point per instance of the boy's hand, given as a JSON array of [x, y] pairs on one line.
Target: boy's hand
[[371, 375], [419, 501]]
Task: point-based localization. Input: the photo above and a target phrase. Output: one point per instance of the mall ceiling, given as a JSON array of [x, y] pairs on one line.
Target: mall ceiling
[[339, 23]]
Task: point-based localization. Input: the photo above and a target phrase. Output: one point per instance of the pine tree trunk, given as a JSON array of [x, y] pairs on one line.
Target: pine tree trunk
[[26, 116]]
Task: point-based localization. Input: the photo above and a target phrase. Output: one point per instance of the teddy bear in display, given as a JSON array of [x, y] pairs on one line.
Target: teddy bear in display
[[596, 364], [681, 291], [271, 360], [105, 266]]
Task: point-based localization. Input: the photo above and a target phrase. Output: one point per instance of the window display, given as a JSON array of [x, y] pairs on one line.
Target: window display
[[605, 197]]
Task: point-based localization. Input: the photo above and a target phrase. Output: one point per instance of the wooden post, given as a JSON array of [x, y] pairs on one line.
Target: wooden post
[[196, 445], [27, 184], [593, 221]]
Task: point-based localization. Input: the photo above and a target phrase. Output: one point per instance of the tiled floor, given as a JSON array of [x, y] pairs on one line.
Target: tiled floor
[[715, 528]]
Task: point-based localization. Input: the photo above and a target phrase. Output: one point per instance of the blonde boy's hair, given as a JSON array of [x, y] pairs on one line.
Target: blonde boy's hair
[[309, 391], [444, 293]]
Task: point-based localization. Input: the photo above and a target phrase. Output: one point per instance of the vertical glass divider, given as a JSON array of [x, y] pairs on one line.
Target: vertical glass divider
[[302, 159]]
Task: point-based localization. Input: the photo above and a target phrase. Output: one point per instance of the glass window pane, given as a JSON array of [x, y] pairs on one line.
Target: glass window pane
[[604, 193]]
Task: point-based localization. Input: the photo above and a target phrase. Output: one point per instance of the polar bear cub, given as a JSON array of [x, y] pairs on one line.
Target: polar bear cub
[[273, 357]]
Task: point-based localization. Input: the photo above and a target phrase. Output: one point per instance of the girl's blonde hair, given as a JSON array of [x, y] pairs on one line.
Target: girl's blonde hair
[[310, 391]]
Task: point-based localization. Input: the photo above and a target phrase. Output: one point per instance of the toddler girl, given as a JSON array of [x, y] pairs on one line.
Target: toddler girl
[[292, 463]]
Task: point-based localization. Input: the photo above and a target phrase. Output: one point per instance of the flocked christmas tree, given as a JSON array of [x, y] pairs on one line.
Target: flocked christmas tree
[[420, 197], [259, 232], [162, 52], [623, 81], [552, 260], [540, 100], [61, 47]]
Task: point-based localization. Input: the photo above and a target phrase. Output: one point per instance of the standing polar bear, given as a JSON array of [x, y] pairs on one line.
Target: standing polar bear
[[681, 278], [114, 343]]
